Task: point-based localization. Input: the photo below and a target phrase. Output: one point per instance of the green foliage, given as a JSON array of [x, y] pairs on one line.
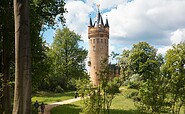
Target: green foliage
[[120, 105], [174, 71], [40, 64], [59, 89], [160, 83], [143, 73], [98, 99], [133, 94], [67, 60], [42, 13]]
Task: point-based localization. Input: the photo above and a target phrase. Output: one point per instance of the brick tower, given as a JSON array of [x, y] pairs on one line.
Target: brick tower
[[98, 34]]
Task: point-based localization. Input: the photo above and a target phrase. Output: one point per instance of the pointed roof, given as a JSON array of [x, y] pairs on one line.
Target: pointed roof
[[90, 22], [99, 19], [107, 23]]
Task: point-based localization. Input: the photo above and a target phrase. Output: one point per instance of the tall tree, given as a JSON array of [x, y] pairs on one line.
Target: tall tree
[[42, 12], [67, 57], [22, 94], [174, 70], [143, 67]]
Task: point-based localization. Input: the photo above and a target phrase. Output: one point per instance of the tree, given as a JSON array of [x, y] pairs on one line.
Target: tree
[[43, 15], [139, 55], [67, 58], [40, 64], [174, 71], [142, 63], [22, 94]]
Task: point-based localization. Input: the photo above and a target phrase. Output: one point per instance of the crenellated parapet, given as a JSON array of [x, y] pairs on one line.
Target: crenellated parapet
[[98, 32]]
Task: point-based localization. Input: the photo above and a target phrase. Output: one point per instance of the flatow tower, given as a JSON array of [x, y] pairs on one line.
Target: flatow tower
[[98, 35]]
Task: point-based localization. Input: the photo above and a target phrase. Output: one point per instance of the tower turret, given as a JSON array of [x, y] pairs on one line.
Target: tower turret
[[98, 35], [90, 22]]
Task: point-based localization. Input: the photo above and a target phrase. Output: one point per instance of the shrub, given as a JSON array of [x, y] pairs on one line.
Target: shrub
[[58, 89], [132, 94]]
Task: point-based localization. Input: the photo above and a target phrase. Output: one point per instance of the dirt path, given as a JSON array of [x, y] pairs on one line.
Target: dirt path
[[52, 105]]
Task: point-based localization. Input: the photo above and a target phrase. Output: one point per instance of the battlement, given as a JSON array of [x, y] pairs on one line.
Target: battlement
[[94, 32]]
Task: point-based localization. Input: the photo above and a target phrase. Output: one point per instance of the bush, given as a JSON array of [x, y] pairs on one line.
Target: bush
[[132, 94], [58, 89]]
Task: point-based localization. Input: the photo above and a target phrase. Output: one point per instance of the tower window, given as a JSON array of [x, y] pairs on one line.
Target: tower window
[[105, 40], [93, 41], [101, 40], [94, 48], [97, 40]]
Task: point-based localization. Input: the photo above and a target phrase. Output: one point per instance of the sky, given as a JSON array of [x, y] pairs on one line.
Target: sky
[[161, 23]]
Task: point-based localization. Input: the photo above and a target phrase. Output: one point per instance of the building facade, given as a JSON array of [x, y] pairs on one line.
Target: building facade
[[98, 35]]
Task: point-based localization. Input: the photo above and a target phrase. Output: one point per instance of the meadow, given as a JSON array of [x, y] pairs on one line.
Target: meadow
[[121, 105]]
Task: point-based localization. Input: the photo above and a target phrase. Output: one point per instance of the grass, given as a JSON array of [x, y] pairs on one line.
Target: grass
[[66, 109], [120, 105], [50, 97]]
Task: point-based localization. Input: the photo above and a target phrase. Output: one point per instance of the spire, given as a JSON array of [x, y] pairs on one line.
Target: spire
[[107, 23], [90, 22], [99, 20]]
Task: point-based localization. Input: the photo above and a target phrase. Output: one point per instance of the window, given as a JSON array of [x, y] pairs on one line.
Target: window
[[97, 40], [94, 48], [105, 40], [101, 40], [93, 41]]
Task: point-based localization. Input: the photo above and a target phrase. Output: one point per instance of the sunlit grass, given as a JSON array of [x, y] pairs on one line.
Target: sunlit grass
[[120, 105], [50, 97]]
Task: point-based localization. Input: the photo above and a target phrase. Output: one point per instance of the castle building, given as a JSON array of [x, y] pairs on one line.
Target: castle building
[[98, 35]]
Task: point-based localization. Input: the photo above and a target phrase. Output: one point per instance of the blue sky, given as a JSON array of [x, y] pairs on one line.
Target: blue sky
[[158, 22]]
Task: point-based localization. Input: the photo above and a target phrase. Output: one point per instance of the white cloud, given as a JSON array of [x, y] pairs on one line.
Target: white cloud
[[158, 22], [77, 17], [178, 36], [163, 50], [146, 20], [107, 4]]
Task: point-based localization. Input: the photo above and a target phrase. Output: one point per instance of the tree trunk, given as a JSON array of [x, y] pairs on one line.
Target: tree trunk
[[22, 93]]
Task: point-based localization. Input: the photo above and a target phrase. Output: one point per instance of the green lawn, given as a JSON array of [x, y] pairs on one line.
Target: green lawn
[[50, 97], [120, 105]]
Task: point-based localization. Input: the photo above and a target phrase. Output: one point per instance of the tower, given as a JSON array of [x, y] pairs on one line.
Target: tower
[[98, 35]]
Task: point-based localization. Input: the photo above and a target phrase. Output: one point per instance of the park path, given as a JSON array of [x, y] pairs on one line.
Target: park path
[[52, 105]]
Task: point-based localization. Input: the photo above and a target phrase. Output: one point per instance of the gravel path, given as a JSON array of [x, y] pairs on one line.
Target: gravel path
[[52, 105]]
